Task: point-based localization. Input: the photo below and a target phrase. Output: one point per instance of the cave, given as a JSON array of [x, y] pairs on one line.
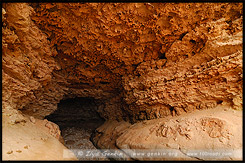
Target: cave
[[76, 112], [77, 119], [136, 79]]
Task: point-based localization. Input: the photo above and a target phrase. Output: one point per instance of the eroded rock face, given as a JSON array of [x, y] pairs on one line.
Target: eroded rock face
[[145, 60], [140, 61]]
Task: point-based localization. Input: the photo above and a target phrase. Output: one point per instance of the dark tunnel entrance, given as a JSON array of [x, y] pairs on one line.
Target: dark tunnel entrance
[[76, 112], [77, 119]]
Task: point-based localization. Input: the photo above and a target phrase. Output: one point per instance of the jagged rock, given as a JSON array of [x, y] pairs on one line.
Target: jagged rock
[[138, 61], [167, 57]]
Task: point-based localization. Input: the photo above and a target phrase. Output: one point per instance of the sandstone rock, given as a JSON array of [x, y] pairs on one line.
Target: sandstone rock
[[138, 61], [107, 57], [182, 134], [31, 142]]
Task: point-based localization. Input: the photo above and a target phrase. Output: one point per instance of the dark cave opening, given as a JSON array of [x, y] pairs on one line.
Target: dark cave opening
[[77, 119], [74, 112]]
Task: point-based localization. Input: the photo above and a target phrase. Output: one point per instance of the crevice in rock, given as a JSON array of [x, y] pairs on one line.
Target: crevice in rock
[[182, 35], [173, 111], [162, 56]]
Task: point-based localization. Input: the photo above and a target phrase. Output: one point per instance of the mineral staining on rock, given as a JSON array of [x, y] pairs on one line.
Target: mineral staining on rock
[[139, 61]]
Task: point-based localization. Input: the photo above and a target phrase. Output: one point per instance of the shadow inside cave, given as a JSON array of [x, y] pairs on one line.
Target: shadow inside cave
[[77, 119], [76, 112]]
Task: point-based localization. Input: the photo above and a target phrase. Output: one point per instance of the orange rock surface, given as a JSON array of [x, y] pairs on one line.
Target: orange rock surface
[[140, 61]]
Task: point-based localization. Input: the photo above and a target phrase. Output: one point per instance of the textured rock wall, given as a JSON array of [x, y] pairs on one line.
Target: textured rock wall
[[27, 63], [144, 60], [33, 79]]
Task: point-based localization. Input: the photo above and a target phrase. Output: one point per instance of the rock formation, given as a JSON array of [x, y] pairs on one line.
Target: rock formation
[[188, 137], [138, 61]]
